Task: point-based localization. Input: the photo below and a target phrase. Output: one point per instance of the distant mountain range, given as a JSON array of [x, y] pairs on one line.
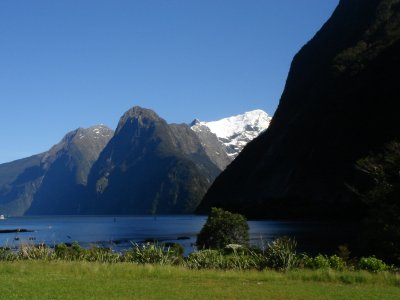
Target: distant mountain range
[[145, 166]]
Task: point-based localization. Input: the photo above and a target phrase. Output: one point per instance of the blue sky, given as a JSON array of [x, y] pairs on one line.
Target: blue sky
[[74, 63]]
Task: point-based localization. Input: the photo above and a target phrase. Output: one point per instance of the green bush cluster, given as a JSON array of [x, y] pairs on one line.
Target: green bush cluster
[[323, 262], [372, 264], [77, 253], [73, 252]]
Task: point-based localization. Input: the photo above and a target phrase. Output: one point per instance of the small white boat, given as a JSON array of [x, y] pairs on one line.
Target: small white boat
[[2, 217]]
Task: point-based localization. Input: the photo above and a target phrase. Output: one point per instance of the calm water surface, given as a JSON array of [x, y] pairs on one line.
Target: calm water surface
[[121, 231]]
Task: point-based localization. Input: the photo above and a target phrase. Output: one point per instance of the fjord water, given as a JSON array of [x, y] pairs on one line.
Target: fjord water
[[119, 232]]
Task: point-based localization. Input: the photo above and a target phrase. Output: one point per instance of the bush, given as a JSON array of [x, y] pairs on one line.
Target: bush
[[215, 259], [344, 253], [281, 254], [205, 259], [61, 251], [223, 228], [372, 264], [6, 254], [151, 254], [324, 262], [104, 255], [336, 262], [76, 252], [176, 249], [318, 262], [40, 251]]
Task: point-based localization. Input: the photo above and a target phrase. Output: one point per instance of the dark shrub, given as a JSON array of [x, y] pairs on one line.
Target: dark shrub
[[223, 228]]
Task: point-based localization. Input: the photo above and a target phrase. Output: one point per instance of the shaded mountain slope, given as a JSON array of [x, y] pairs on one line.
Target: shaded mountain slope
[[340, 102], [52, 182], [19, 181], [66, 168], [214, 148], [150, 166]]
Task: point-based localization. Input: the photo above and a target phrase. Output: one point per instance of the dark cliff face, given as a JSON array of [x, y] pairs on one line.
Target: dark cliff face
[[52, 182], [150, 166], [340, 102]]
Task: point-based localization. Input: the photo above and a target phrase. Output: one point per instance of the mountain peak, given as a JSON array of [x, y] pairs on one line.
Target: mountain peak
[[257, 119], [236, 131], [144, 116], [96, 131], [137, 112], [93, 132]]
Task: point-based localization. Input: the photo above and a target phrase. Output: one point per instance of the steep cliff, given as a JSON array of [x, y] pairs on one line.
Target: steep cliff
[[340, 102]]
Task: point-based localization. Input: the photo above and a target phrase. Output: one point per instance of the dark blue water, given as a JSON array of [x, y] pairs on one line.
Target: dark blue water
[[120, 232]]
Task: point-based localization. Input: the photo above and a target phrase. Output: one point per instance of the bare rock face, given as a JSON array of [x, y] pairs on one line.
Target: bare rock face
[[214, 148], [340, 102]]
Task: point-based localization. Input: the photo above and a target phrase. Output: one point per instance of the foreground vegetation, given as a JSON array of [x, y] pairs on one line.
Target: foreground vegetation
[[92, 280], [223, 271], [279, 255], [157, 271], [380, 196]]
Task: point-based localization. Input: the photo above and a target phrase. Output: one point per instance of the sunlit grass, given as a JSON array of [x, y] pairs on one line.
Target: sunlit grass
[[91, 280]]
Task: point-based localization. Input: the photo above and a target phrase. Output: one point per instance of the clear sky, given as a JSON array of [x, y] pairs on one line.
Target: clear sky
[[66, 64]]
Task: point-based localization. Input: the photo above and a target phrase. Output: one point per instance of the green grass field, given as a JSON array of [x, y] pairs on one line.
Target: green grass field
[[84, 280]]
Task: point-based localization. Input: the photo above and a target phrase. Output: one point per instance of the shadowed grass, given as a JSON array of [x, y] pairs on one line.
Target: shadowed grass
[[87, 280]]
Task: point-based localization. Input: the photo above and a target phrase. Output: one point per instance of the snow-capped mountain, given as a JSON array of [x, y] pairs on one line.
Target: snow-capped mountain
[[236, 131]]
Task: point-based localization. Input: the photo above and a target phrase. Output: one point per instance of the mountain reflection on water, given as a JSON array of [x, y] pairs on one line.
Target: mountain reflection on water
[[119, 232]]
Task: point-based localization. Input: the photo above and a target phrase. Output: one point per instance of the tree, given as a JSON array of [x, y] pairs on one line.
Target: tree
[[223, 228], [382, 197]]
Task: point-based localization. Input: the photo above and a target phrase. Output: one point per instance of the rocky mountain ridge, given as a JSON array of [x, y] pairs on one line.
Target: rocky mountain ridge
[[236, 131], [53, 182]]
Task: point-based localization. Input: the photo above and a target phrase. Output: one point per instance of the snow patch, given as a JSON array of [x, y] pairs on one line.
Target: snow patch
[[236, 131]]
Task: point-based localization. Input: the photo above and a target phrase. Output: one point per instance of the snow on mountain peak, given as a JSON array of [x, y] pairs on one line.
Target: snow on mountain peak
[[236, 131], [256, 120]]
